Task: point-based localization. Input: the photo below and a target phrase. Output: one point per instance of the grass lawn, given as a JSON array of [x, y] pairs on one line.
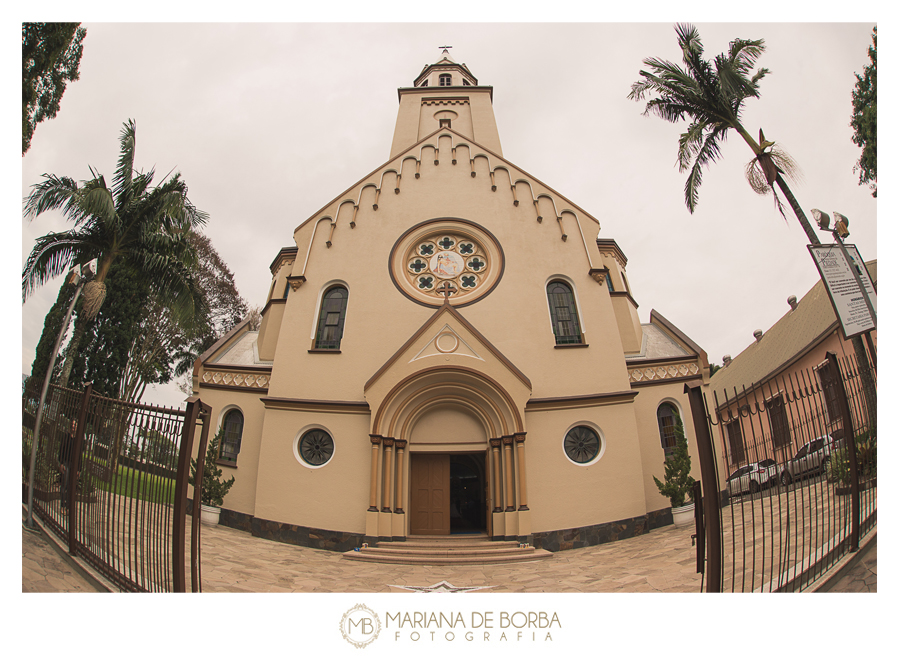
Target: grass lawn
[[136, 484]]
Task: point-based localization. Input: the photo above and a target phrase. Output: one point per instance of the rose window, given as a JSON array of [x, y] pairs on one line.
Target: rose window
[[456, 252]]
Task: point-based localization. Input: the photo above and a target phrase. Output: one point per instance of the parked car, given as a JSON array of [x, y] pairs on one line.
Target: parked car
[[753, 477], [812, 457]]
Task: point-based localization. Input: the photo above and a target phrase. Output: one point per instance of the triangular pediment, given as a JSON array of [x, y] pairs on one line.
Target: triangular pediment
[[448, 338], [446, 341]]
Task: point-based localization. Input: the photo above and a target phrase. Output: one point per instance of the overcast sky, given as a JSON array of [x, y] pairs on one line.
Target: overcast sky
[[269, 122]]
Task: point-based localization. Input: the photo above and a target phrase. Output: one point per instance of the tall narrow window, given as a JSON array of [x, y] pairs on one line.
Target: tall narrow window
[[331, 319], [444, 80], [736, 441], [563, 313], [665, 416], [287, 289], [829, 390], [233, 424], [778, 421]]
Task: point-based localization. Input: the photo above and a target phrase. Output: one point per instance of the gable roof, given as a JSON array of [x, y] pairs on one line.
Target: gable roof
[[386, 165], [792, 336]]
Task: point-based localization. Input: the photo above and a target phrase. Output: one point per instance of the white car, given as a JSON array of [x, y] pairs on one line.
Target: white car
[[812, 457], [753, 477]]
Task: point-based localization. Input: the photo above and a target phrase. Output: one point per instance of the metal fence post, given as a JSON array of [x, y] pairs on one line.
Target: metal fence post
[[198, 494], [709, 480], [849, 446], [192, 412], [75, 465]]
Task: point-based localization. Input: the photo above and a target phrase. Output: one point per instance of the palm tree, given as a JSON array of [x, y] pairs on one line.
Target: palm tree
[[711, 95], [147, 227]]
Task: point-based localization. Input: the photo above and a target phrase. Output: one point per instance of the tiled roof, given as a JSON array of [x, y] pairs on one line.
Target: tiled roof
[[801, 327]]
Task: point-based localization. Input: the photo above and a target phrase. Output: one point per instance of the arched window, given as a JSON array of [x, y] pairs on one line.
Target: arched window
[[444, 80], [233, 424], [563, 313], [331, 319], [667, 416]]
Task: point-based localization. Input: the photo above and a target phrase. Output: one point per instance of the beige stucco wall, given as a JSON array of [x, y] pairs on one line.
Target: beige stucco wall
[[334, 496], [242, 496], [563, 494], [646, 404]]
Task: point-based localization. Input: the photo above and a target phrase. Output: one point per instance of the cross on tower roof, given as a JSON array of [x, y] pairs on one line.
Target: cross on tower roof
[[445, 47]]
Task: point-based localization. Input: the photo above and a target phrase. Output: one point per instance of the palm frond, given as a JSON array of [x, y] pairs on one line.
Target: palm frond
[[97, 202], [743, 53], [125, 165], [52, 193], [690, 143], [708, 153], [53, 255]]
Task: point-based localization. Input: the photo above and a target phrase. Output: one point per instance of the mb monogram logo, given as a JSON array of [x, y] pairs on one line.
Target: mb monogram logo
[[360, 626]]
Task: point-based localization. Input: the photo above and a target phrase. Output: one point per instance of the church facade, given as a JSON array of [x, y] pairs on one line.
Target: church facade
[[448, 347]]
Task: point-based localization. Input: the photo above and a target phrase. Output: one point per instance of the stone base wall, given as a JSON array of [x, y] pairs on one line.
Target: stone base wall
[[554, 540], [601, 533], [329, 540]]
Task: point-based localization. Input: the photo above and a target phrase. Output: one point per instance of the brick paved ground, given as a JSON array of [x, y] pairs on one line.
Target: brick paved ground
[[234, 561]]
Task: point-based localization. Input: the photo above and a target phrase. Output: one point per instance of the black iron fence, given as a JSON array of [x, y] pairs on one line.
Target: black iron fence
[[798, 454], [110, 480]]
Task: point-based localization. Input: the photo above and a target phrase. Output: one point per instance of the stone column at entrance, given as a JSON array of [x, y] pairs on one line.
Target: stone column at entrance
[[508, 472], [398, 499], [495, 459], [373, 486], [387, 491], [520, 450]]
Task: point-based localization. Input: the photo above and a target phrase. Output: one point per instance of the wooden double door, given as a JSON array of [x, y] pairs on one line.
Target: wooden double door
[[448, 494]]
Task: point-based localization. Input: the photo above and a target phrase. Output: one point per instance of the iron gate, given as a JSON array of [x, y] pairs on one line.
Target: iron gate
[[122, 508], [788, 473]]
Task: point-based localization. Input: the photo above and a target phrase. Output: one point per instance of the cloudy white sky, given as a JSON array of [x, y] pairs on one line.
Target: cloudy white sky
[[267, 122]]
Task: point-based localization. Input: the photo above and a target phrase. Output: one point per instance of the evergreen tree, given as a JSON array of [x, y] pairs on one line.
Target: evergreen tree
[[51, 54], [679, 484], [865, 120], [102, 354], [52, 324]]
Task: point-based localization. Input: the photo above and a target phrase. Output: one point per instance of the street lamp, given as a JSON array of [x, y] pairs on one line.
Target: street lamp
[[79, 275], [841, 230]]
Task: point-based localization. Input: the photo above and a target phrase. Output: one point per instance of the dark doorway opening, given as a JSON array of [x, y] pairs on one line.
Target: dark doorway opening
[[468, 501]]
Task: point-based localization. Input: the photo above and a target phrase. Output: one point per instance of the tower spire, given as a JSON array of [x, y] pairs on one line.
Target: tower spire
[[446, 94]]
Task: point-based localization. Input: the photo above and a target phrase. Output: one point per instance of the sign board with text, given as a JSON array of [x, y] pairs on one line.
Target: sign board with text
[[847, 299]]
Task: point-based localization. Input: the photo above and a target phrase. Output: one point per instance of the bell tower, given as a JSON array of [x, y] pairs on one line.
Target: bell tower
[[446, 94]]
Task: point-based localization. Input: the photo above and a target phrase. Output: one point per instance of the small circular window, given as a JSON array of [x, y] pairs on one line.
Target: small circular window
[[582, 444], [316, 447]]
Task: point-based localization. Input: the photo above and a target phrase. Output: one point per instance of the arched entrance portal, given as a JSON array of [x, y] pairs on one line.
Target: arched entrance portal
[[448, 494], [443, 436]]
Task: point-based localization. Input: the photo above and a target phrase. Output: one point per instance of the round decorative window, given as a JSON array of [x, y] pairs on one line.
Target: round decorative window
[[316, 447], [446, 257], [582, 444]]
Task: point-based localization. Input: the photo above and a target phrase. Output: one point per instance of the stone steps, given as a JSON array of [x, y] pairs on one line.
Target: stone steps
[[447, 550]]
